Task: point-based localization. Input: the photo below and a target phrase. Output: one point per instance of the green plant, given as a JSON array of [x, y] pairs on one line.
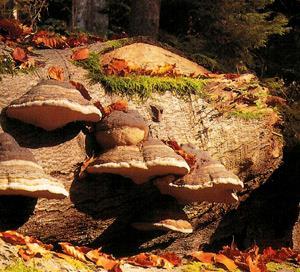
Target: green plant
[[19, 266], [140, 86]]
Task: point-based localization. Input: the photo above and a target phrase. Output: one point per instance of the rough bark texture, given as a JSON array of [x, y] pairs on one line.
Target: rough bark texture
[[100, 209], [144, 19], [91, 15]]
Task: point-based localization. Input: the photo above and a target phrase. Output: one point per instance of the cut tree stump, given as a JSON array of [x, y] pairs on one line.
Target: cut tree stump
[[100, 209]]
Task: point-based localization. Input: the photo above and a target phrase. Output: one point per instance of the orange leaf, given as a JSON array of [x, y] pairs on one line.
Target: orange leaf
[[74, 251], [56, 72], [84, 166], [14, 28], [108, 262], [189, 158], [149, 260], [80, 54], [13, 237], [252, 265], [117, 67], [120, 105], [204, 257], [84, 92], [30, 62], [230, 265], [19, 55], [49, 39], [172, 258]]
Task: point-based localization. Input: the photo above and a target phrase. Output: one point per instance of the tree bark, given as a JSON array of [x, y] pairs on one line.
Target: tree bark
[[144, 19], [90, 15], [101, 208]]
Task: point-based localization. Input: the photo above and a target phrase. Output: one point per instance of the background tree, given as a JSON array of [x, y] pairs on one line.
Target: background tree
[[90, 15], [144, 18]]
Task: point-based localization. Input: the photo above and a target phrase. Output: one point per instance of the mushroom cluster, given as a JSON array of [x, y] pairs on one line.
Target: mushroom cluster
[[21, 175], [127, 150]]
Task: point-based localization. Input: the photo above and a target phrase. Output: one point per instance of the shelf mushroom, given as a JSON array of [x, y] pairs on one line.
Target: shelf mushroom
[[164, 218], [140, 164], [52, 104], [208, 180], [121, 128], [21, 175]]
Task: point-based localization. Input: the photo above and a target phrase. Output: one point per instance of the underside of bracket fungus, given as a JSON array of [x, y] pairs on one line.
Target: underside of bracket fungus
[[152, 57], [208, 180], [21, 175], [164, 218], [140, 164], [52, 104], [121, 128]]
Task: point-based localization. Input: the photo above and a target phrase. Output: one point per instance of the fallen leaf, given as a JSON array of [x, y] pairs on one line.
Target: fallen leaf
[[84, 92], [28, 64], [13, 237], [19, 55], [47, 39], [172, 258], [84, 166], [117, 67], [74, 251], [14, 28], [149, 260], [189, 158], [80, 54], [106, 261], [230, 265], [204, 257], [121, 105], [56, 72]]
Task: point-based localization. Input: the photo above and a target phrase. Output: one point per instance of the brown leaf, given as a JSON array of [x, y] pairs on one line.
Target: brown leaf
[[30, 62], [204, 257], [172, 258], [121, 105], [75, 251], [273, 101], [80, 54], [14, 28], [84, 166], [19, 55], [56, 72], [149, 260], [47, 39], [80, 87], [108, 262], [13, 237], [230, 265], [189, 158], [117, 67]]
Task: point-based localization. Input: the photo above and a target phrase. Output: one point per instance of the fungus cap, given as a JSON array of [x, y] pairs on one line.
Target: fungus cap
[[208, 181], [21, 175], [164, 217], [140, 164], [52, 104], [121, 128]]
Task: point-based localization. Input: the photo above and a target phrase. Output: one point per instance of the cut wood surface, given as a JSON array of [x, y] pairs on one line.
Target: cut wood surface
[[101, 209]]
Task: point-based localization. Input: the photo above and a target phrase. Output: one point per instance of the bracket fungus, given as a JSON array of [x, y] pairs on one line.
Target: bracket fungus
[[21, 175], [208, 180], [140, 164], [52, 104], [121, 128], [165, 217]]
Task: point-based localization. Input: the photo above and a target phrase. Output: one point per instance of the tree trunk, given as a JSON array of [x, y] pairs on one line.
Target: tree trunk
[[101, 208], [144, 19], [90, 15]]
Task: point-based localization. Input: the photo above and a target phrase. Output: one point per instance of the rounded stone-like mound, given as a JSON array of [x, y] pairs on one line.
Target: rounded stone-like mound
[[152, 57], [52, 104]]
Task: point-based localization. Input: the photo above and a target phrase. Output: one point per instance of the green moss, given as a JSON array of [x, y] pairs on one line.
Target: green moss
[[199, 267], [140, 86], [19, 266], [251, 113], [115, 44], [287, 267], [77, 264], [7, 65]]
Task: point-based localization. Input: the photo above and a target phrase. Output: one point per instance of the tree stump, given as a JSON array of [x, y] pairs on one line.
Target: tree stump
[[101, 208]]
